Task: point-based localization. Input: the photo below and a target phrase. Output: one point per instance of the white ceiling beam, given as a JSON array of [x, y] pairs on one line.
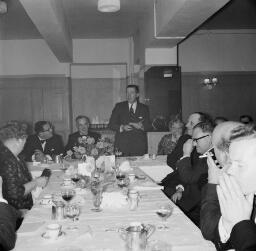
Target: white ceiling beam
[[49, 18]]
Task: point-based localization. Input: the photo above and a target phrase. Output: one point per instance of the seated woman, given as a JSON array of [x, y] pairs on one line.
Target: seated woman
[[169, 141], [17, 180]]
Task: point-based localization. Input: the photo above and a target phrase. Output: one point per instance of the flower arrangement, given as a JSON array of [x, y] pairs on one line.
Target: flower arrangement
[[88, 147]]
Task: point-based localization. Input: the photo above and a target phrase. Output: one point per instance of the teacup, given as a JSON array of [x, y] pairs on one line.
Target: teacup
[[53, 231], [131, 177], [47, 199]]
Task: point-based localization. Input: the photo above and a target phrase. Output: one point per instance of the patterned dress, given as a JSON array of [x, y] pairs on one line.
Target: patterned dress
[[166, 145], [15, 174]]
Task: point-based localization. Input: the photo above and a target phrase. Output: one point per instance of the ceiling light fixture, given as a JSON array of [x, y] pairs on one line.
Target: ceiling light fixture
[[108, 5], [3, 7]]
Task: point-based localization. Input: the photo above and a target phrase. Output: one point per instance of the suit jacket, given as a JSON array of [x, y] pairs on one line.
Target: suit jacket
[[133, 142], [73, 139], [190, 175], [8, 217], [209, 220], [53, 146]]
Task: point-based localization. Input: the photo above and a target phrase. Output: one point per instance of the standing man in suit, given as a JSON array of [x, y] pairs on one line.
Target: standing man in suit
[[130, 120], [44, 144], [82, 125]]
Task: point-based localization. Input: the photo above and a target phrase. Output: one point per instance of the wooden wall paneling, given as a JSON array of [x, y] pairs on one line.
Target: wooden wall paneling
[[233, 96]]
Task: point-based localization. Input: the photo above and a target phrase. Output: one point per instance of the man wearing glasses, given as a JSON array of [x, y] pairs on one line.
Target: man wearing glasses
[[44, 144], [193, 175]]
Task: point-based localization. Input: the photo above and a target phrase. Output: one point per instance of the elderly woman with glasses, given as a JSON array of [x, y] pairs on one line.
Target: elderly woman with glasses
[[169, 141], [17, 180]]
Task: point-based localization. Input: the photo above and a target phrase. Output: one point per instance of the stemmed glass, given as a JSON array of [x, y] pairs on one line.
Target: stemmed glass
[[72, 211], [68, 194], [96, 189], [164, 211]]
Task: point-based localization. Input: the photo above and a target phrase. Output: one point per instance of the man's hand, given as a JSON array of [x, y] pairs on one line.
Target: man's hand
[[188, 147], [138, 125], [126, 128], [39, 156], [177, 196], [214, 172], [234, 205]]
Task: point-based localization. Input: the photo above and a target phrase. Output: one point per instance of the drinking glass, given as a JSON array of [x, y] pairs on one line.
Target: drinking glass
[[164, 211], [72, 211], [75, 177], [96, 189], [68, 194]]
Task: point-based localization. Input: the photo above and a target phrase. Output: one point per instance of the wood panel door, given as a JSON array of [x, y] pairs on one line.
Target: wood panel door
[[34, 99]]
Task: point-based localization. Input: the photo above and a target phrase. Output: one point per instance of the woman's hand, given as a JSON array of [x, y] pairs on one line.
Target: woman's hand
[[41, 181]]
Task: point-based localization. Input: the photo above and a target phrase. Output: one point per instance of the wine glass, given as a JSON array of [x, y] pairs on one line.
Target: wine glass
[[68, 194], [72, 211], [164, 211], [75, 177]]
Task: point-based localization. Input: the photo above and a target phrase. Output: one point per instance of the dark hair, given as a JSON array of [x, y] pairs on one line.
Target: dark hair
[[204, 117], [12, 130], [247, 117], [205, 126], [83, 117], [39, 126], [135, 87]]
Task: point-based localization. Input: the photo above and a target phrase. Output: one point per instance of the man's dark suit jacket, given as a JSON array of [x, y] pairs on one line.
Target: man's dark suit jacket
[[192, 177], [134, 142], [8, 217], [209, 220], [53, 146], [73, 139]]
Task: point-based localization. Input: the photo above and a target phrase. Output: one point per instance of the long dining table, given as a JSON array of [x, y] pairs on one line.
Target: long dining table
[[99, 231]]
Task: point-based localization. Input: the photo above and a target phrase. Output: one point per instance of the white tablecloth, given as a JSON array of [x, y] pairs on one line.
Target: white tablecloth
[[98, 230]]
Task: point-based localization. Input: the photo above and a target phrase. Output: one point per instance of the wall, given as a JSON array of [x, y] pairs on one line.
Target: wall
[[29, 57], [228, 55]]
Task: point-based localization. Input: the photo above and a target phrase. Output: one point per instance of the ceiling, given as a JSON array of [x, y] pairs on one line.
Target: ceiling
[[60, 21], [83, 19], [86, 22]]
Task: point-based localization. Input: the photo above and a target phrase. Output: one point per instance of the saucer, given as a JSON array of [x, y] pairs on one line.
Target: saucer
[[60, 236]]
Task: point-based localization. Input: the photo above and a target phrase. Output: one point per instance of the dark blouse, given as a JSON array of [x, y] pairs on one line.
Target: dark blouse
[[15, 174]]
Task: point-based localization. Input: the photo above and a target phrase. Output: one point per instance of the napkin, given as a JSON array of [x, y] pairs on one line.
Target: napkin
[[114, 200], [125, 166], [85, 168], [108, 161]]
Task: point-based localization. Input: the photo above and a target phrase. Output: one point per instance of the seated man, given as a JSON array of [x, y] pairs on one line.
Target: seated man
[[82, 125], [8, 217], [177, 152], [44, 144], [192, 176], [223, 216]]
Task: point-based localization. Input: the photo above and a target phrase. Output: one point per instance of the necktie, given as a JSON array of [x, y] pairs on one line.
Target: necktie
[[42, 141], [132, 114]]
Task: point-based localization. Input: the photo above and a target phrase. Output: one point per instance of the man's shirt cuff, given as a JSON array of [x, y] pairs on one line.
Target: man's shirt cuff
[[3, 200], [224, 235], [181, 187]]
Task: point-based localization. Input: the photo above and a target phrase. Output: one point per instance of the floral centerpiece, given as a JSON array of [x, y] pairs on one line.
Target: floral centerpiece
[[88, 147]]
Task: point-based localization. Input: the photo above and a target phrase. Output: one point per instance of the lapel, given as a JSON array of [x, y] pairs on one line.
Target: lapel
[[137, 109], [39, 143]]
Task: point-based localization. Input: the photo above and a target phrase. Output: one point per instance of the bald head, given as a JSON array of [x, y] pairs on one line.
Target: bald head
[[221, 140]]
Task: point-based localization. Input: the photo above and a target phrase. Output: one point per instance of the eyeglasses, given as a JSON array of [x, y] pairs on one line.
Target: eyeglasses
[[48, 130], [196, 140]]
